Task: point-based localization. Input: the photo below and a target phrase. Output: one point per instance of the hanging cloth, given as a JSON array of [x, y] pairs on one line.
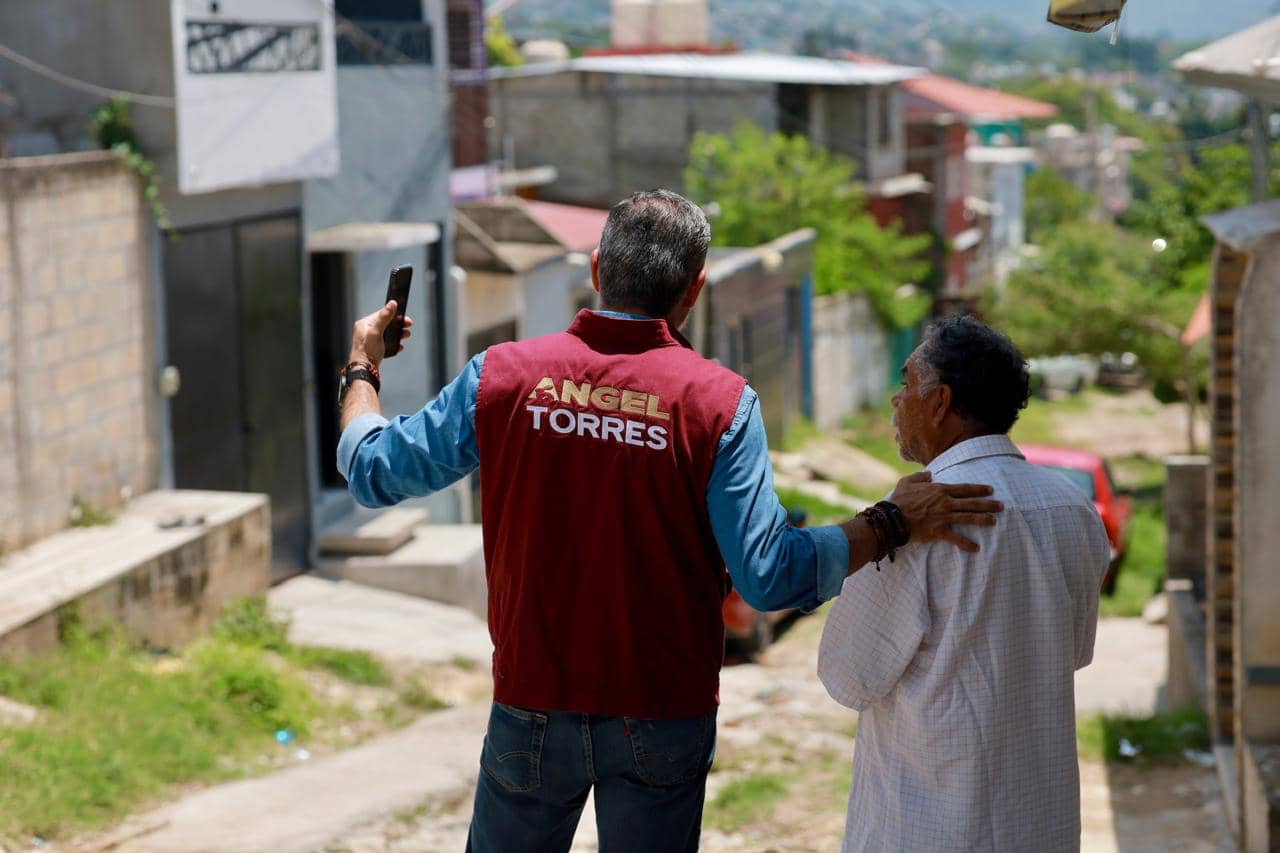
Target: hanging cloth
[[1086, 16]]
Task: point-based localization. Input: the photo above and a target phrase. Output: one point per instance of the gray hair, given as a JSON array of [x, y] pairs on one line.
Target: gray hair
[[653, 247]]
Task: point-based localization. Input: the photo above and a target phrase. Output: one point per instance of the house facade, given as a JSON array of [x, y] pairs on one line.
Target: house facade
[[270, 124], [614, 124]]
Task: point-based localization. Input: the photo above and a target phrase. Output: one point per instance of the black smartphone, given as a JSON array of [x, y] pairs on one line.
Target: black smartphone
[[397, 289]]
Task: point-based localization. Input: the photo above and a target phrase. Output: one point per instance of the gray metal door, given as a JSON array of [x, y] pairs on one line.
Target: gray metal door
[[234, 316]]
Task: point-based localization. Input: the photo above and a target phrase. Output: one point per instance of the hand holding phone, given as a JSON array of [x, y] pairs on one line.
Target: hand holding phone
[[397, 289]]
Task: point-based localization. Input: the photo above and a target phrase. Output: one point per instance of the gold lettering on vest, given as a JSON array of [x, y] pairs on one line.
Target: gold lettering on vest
[[605, 398], [546, 385], [633, 402], [654, 412], [572, 392]]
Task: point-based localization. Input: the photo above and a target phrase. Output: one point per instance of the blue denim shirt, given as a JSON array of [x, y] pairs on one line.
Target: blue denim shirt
[[774, 566]]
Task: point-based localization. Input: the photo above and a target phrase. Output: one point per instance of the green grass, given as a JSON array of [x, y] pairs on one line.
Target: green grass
[[818, 511], [1035, 425], [116, 731], [750, 798], [113, 733], [871, 431], [353, 665], [250, 623], [1161, 738], [1141, 574], [800, 433]]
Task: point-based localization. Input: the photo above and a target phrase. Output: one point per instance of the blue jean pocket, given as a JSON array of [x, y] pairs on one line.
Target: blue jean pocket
[[672, 752], [512, 753]]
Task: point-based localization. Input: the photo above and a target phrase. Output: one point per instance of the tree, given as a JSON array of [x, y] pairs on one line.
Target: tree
[[1095, 288], [499, 44], [1052, 200], [766, 185]]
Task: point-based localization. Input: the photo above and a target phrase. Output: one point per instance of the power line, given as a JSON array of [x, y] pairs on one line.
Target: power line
[[83, 85]]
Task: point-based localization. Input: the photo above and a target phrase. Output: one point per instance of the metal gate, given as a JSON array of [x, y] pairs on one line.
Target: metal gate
[[233, 305]]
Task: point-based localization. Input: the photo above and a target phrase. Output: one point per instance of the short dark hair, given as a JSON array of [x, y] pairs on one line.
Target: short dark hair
[[986, 373], [653, 246]]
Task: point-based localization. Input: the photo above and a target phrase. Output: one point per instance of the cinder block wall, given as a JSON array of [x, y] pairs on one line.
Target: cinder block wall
[[77, 398]]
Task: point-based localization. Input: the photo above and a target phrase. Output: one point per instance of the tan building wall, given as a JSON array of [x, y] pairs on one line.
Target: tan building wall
[[76, 397]]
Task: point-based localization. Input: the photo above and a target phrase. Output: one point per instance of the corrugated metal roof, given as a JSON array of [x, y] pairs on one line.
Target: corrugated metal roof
[[744, 67], [1242, 228], [1247, 61]]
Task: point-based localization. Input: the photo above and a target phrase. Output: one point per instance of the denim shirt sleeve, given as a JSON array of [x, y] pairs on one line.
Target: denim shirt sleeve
[[386, 462], [774, 566]]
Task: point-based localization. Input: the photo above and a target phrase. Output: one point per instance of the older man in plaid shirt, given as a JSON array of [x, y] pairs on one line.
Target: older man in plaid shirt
[[962, 664]]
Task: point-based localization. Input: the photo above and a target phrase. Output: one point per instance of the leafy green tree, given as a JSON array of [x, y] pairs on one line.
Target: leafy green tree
[[1052, 200], [1095, 288], [1218, 179], [499, 44], [766, 185]]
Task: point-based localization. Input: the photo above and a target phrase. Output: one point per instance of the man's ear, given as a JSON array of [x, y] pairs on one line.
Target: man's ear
[[595, 270], [942, 403], [691, 295]]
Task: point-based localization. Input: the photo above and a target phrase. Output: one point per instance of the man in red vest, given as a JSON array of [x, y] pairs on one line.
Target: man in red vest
[[620, 474]]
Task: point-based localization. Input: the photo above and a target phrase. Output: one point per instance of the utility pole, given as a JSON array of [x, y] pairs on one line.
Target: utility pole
[[1094, 167], [1259, 142]]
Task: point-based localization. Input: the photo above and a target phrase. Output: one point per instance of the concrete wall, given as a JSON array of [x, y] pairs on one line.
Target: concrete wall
[[609, 136], [850, 120], [77, 400], [1186, 484], [850, 358], [748, 319], [553, 294], [1258, 489], [125, 44]]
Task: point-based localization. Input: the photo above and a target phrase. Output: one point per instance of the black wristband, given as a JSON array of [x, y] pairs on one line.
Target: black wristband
[[901, 529]]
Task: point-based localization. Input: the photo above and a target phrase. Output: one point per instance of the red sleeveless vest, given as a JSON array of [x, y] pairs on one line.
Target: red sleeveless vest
[[605, 580]]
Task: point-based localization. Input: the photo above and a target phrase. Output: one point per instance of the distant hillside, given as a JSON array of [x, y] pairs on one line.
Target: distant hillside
[[770, 23]]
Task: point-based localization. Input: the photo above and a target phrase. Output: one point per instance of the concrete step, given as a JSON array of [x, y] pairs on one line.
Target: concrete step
[[442, 562], [164, 582], [362, 535]]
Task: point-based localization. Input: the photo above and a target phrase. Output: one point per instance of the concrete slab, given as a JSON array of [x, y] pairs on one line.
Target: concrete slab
[[164, 568], [389, 624], [1130, 666], [381, 534], [312, 806], [443, 562]]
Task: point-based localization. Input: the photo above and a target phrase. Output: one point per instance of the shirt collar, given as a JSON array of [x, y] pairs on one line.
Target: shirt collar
[[613, 332], [974, 448]]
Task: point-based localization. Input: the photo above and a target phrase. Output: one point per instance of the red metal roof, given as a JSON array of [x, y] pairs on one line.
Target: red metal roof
[[933, 94], [578, 228]]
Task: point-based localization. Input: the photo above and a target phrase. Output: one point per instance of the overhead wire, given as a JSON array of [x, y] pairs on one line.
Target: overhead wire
[[67, 80]]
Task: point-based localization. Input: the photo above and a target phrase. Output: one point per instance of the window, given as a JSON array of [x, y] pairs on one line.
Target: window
[[885, 98], [382, 32]]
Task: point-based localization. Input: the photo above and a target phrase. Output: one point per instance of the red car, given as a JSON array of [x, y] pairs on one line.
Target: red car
[[1089, 471], [746, 628]]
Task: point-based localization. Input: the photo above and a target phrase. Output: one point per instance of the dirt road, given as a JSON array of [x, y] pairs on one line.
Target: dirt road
[[780, 780]]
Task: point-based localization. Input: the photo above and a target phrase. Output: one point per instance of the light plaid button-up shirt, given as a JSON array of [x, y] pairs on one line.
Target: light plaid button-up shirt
[[962, 666]]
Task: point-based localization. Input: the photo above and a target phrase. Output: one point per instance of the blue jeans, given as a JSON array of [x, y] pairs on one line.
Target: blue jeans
[[536, 768]]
